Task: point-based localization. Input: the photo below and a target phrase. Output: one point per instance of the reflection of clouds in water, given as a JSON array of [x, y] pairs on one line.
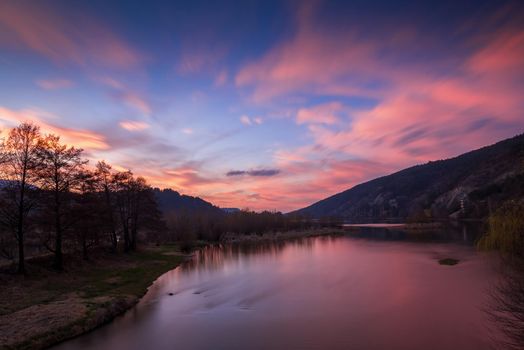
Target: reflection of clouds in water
[[317, 293]]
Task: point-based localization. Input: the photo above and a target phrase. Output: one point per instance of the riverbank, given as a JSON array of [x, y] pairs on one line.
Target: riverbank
[[46, 307]]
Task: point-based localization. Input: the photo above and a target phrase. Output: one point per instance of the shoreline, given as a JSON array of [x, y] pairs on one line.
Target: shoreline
[[66, 306], [280, 236], [64, 313]]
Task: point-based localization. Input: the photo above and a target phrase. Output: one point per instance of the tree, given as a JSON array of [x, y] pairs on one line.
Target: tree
[[122, 183], [506, 234], [104, 179], [87, 212], [59, 172], [136, 206], [19, 164]]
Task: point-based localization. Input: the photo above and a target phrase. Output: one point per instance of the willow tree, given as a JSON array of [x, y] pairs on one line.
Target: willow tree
[[60, 172], [506, 234], [506, 230], [19, 162]]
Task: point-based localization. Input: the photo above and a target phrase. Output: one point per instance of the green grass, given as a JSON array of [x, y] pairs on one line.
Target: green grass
[[107, 286], [146, 266], [448, 261]]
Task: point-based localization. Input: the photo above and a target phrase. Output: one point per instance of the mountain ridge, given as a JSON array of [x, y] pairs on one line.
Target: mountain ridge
[[461, 186]]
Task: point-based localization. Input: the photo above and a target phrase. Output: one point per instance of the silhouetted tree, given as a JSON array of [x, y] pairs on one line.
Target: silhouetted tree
[[87, 212], [59, 172], [104, 179], [123, 184], [19, 162]]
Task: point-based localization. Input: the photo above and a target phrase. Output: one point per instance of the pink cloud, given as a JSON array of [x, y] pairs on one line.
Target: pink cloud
[[131, 125], [503, 54], [320, 114], [423, 114], [135, 101], [127, 96], [58, 38], [54, 84], [199, 58], [221, 78], [244, 119]]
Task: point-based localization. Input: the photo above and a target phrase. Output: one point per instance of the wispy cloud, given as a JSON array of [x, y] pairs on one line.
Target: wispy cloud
[[221, 78], [127, 96], [54, 84], [244, 119], [131, 125], [327, 113], [83, 41], [82, 138]]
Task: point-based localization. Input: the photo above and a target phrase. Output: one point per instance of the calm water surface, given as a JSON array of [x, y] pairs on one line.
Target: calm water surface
[[315, 293]]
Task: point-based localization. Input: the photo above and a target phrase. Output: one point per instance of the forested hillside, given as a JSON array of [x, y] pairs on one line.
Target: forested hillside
[[466, 186]]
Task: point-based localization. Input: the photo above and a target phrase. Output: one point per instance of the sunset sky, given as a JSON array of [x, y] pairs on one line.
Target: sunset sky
[[262, 104]]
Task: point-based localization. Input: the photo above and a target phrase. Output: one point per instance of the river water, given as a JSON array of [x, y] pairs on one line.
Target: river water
[[314, 293]]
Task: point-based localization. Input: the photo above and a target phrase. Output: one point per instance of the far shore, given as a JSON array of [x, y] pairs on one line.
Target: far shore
[[278, 236]]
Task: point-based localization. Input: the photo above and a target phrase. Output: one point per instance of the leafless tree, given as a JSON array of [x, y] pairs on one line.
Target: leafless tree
[[59, 173], [104, 180], [18, 167], [87, 213]]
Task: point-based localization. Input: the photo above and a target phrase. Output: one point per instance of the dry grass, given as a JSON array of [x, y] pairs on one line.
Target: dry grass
[[46, 307]]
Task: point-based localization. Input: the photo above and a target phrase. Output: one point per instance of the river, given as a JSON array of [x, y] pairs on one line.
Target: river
[[313, 293]]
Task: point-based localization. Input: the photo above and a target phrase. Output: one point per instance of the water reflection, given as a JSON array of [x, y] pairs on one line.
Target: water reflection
[[463, 233], [314, 293]]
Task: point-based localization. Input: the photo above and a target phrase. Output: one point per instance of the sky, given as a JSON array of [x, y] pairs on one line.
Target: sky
[[267, 105]]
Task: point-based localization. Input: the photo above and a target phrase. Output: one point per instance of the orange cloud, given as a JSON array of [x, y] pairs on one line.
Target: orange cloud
[[85, 139], [131, 125]]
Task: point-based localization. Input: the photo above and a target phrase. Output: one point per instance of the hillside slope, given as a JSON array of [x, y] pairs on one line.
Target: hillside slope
[[464, 186], [170, 201]]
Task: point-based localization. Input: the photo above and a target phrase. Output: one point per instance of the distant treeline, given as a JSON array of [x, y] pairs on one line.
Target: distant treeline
[[51, 201], [187, 226]]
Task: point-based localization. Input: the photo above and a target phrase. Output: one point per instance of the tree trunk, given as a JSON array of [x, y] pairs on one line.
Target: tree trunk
[[84, 248], [127, 245], [20, 228], [21, 255], [58, 263]]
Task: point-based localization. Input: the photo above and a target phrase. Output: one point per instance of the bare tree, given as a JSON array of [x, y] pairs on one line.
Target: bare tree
[[123, 183], [136, 205], [104, 179], [18, 166], [88, 213], [59, 173]]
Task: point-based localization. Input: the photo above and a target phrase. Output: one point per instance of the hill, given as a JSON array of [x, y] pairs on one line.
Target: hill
[[465, 186], [170, 201]]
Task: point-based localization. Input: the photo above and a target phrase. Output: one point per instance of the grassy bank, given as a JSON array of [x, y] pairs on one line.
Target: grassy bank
[[46, 307]]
